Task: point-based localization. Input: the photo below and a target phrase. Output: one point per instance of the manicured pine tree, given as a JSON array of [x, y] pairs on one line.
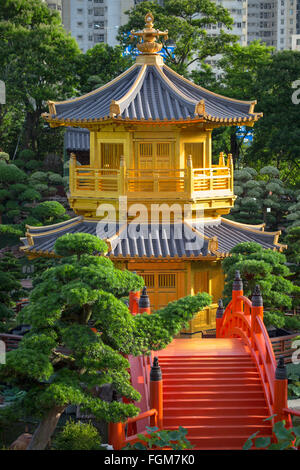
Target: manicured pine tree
[[261, 197], [293, 216], [266, 268], [62, 359], [10, 289]]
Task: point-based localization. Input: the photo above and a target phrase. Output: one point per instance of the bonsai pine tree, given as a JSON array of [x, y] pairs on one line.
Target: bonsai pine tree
[[294, 212], [10, 288], [293, 252], [47, 213], [61, 360], [266, 268], [247, 207], [261, 197]]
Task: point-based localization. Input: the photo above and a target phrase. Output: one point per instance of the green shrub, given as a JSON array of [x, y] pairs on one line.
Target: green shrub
[[49, 212], [9, 235], [41, 188], [20, 163], [30, 195], [175, 440], [12, 205], [18, 188], [84, 243], [39, 176], [27, 155], [55, 178], [287, 439], [12, 214], [11, 174], [33, 165], [77, 436], [52, 190]]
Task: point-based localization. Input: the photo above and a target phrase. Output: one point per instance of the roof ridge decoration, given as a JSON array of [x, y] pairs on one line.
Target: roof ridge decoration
[[148, 36]]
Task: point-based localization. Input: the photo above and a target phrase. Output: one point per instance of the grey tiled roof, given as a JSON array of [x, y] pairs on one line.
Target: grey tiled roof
[[151, 92], [161, 241], [77, 138]]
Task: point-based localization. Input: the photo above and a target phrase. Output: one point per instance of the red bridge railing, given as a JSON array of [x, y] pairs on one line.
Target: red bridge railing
[[244, 319], [123, 433]]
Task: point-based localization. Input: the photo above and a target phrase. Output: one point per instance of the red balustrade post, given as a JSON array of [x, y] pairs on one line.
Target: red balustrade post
[[134, 298], [144, 302], [116, 435], [219, 318], [280, 390], [116, 431], [156, 392], [256, 311], [237, 291]]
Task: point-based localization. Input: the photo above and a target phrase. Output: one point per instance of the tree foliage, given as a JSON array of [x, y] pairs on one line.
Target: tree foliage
[[99, 65], [186, 21], [77, 436], [61, 360], [264, 267], [43, 70], [261, 197], [10, 289], [277, 135]]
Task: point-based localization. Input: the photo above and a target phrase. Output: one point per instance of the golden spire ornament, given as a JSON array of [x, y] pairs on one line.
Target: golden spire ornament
[[148, 36]]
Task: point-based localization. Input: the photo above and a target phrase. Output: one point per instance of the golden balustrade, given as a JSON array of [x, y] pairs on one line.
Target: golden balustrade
[[184, 183]]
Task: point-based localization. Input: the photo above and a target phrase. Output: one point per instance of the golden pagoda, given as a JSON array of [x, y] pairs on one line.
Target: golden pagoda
[[151, 146]]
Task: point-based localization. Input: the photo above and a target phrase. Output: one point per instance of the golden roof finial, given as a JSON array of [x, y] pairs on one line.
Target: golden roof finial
[[149, 35]]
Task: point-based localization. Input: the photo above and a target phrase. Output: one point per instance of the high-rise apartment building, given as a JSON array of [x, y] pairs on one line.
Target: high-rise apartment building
[[94, 21], [275, 23], [54, 5]]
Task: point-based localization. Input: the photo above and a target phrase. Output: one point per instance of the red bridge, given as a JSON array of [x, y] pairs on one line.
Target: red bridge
[[221, 390]]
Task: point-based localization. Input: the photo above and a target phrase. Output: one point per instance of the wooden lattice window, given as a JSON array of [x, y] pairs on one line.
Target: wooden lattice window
[[110, 155], [149, 280], [155, 155], [167, 281], [196, 150]]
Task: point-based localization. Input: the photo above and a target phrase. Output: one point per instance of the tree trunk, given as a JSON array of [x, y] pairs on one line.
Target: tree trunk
[[45, 429]]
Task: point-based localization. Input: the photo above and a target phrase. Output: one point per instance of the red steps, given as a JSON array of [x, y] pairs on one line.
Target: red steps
[[218, 399]]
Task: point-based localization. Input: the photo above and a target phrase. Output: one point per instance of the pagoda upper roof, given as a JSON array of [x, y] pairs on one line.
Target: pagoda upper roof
[[151, 91], [195, 240]]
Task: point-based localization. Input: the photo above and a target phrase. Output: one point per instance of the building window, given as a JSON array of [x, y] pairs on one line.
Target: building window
[[99, 38], [80, 24], [99, 11], [80, 11], [149, 280], [111, 153], [196, 150], [167, 280], [99, 25]]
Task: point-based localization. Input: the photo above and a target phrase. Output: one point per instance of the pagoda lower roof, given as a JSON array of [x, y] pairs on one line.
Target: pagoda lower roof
[[194, 240], [77, 139], [150, 92]]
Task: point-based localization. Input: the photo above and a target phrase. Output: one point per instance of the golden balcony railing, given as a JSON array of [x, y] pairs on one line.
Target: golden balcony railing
[[187, 183]]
